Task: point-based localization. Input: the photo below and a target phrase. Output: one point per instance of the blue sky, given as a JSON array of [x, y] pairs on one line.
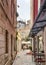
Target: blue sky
[[24, 9]]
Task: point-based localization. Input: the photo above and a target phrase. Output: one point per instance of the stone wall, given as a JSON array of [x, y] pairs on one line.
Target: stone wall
[[7, 29]]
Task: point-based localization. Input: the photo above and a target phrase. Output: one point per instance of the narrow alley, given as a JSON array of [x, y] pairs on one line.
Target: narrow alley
[[22, 32], [23, 59]]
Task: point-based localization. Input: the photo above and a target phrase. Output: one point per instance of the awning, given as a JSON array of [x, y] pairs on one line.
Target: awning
[[40, 21]]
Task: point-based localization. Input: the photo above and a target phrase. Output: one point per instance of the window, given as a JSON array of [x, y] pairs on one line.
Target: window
[[41, 44], [15, 45], [13, 12], [12, 8], [6, 41], [7, 2], [11, 44], [2, 2]]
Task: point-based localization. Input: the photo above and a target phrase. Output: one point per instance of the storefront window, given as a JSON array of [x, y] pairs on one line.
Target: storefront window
[[41, 45]]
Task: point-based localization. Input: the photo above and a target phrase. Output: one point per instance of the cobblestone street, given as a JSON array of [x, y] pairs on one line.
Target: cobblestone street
[[23, 59]]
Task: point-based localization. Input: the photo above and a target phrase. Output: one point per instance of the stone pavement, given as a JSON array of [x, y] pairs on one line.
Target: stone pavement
[[23, 59]]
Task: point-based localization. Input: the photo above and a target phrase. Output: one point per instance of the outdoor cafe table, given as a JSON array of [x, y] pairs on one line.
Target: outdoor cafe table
[[39, 56]]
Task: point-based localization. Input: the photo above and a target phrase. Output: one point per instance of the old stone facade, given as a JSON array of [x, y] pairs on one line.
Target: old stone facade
[[7, 31], [39, 38]]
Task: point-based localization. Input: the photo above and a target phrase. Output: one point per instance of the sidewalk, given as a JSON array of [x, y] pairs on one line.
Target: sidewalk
[[23, 59]]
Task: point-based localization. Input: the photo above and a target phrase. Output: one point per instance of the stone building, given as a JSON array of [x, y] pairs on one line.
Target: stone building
[[38, 32], [7, 31], [23, 30], [34, 10]]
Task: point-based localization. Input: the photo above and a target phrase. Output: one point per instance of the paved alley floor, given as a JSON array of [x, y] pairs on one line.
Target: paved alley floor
[[23, 59]]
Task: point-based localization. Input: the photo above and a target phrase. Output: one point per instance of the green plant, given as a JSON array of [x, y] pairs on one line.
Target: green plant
[[30, 47]]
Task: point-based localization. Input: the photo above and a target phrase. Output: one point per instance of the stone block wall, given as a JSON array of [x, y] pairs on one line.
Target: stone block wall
[[7, 29]]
